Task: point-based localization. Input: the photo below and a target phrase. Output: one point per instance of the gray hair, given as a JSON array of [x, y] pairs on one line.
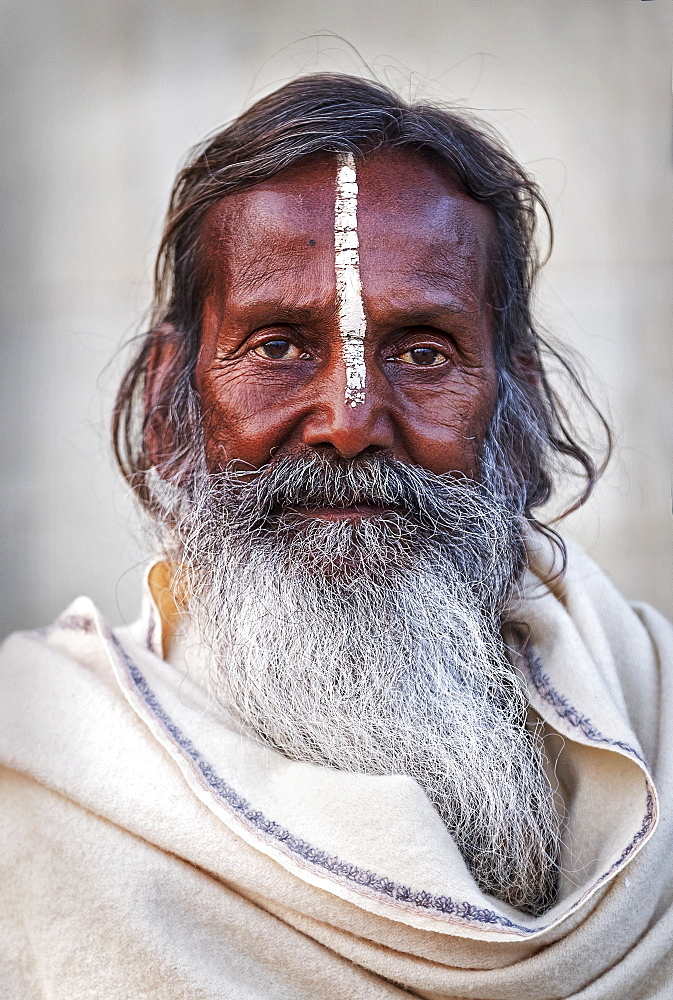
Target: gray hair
[[328, 114]]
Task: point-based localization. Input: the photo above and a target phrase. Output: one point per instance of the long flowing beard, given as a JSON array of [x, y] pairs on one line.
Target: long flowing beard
[[375, 646]]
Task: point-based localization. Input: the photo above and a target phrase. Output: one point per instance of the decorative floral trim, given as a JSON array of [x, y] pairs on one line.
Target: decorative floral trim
[[565, 710]]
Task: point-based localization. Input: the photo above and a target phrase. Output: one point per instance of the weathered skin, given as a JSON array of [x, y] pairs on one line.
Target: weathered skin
[[424, 257]]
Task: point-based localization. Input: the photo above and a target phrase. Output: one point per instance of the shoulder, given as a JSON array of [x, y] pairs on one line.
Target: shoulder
[[73, 636], [590, 598], [628, 645], [59, 698]]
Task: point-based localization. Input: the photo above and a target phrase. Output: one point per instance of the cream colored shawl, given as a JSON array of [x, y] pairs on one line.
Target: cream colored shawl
[[149, 850]]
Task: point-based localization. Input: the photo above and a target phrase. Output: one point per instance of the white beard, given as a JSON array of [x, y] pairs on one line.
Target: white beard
[[375, 646]]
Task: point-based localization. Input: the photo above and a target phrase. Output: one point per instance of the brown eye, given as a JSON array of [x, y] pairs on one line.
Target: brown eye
[[278, 350], [424, 357]]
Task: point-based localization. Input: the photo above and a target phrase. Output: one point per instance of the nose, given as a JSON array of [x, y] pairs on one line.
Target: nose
[[350, 430]]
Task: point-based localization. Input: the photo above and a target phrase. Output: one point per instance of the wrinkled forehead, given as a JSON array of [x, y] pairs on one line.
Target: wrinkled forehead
[[412, 218]]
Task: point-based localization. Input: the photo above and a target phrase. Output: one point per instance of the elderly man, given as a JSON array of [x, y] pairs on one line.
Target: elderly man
[[378, 732]]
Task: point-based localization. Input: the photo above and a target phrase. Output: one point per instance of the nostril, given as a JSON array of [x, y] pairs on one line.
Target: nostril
[[329, 450]]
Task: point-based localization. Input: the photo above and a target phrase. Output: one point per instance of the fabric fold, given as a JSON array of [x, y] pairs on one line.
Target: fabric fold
[[133, 812]]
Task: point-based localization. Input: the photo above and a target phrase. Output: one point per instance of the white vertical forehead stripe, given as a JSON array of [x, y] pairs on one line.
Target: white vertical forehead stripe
[[352, 322]]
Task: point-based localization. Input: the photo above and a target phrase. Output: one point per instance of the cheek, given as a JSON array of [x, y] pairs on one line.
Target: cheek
[[236, 416], [445, 433], [228, 426], [244, 418], [217, 424]]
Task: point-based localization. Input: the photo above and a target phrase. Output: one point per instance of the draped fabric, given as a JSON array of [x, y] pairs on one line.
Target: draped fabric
[[149, 849]]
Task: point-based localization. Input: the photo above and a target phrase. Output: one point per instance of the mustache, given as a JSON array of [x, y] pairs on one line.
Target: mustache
[[439, 503], [448, 517]]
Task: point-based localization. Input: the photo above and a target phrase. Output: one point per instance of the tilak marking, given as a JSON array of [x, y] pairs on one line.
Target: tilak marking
[[352, 322]]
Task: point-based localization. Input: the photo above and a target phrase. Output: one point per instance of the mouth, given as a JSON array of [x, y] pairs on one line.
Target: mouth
[[356, 512]]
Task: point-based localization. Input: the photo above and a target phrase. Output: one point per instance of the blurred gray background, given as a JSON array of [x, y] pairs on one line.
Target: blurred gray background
[[104, 99]]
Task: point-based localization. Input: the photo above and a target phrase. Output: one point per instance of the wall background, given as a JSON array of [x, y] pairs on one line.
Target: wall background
[[105, 98]]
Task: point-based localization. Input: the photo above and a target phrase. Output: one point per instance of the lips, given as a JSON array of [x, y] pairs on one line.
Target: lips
[[356, 511]]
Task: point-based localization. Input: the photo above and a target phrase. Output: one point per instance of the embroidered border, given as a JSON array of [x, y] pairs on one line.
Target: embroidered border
[[69, 623], [75, 623], [647, 823], [271, 830], [565, 710], [151, 629], [378, 884]]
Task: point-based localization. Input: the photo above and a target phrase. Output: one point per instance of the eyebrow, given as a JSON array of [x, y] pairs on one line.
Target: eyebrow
[[262, 308], [451, 307], [428, 316], [415, 315]]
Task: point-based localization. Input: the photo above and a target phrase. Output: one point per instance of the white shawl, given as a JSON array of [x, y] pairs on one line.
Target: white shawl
[[149, 850]]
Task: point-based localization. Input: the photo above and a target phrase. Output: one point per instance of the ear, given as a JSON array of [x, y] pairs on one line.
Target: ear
[[164, 360], [527, 365]]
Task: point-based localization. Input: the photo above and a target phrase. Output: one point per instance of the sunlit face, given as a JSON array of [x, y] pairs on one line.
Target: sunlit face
[[271, 372]]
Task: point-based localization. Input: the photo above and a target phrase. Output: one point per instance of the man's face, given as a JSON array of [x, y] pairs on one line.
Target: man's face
[[351, 610], [271, 374]]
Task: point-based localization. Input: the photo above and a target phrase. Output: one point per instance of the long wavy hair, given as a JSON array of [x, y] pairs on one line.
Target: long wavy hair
[[325, 114]]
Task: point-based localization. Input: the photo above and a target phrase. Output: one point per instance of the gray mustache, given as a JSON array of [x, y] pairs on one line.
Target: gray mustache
[[435, 502], [326, 480]]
